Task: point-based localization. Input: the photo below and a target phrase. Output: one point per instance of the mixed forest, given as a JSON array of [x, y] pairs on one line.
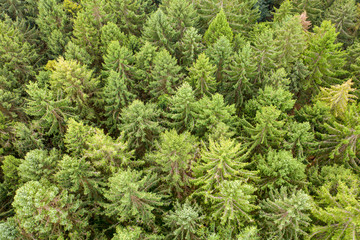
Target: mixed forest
[[179, 119]]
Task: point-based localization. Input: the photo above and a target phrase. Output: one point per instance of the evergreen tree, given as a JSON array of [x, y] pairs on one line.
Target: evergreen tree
[[165, 74], [159, 32], [130, 197], [43, 211], [183, 109], [300, 139], [184, 221], [201, 76], [38, 164], [278, 169], [54, 26], [111, 32], [286, 215], [286, 8], [240, 74], [222, 160], [217, 28], [173, 156], [313, 8], [140, 126], [190, 46], [344, 15], [78, 53], [323, 57]]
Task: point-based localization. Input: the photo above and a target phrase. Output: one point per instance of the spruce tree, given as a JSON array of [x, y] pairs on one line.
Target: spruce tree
[[111, 32], [314, 9], [173, 156], [165, 74], [202, 76], [300, 139], [217, 28], [190, 46], [130, 198]]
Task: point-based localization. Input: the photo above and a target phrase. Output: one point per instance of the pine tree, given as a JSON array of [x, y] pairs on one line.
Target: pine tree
[[240, 74], [54, 26], [222, 160], [165, 74], [10, 173], [38, 164], [111, 32], [184, 221], [43, 211], [220, 53], [26, 138], [211, 112], [140, 126], [286, 8], [190, 46], [338, 97], [201, 76], [159, 32], [344, 15], [78, 176], [51, 111], [242, 15], [323, 57], [267, 132], [78, 53], [173, 156], [286, 215], [130, 198], [278, 169], [183, 109], [217, 28], [233, 203], [313, 8], [300, 139]]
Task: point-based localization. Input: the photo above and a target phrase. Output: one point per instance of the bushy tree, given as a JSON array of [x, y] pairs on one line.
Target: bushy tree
[[183, 108], [202, 76], [173, 156], [43, 211], [130, 198], [165, 74], [140, 125], [184, 221], [217, 28], [286, 215]]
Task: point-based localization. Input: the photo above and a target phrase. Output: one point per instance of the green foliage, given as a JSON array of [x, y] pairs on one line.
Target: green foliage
[[190, 46], [140, 126], [43, 211], [285, 9], [130, 198], [38, 164], [300, 139], [165, 74], [11, 177], [220, 161], [313, 8], [111, 32], [9, 230], [279, 168], [183, 108], [132, 233], [217, 28], [173, 156], [201, 76], [323, 57], [286, 215], [184, 221]]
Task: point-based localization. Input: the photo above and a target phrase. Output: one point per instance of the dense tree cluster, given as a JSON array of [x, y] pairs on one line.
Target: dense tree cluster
[[179, 119]]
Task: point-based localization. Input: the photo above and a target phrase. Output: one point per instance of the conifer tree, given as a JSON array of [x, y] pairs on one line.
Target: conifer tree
[[173, 156], [140, 126], [38, 164], [43, 211], [242, 15], [286, 215], [267, 131], [202, 76], [233, 203], [184, 221], [300, 139], [314, 9], [78, 53], [217, 28], [323, 57], [165, 74], [130, 197], [286, 8], [111, 32], [159, 32], [240, 74], [211, 112], [345, 17], [10, 172], [278, 169], [54, 26], [190, 46], [183, 109], [220, 53], [222, 160]]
